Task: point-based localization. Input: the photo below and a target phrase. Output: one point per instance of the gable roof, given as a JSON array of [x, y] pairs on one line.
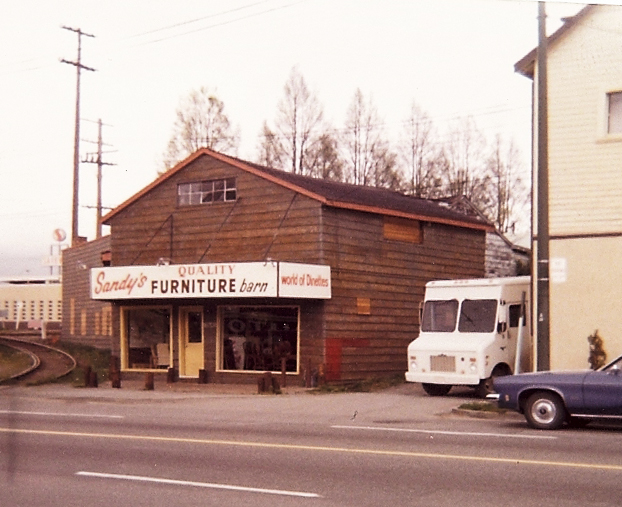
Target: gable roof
[[526, 65], [330, 193]]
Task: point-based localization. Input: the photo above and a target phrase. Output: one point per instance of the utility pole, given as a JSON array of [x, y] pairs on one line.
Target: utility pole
[[543, 268], [76, 147], [100, 163]]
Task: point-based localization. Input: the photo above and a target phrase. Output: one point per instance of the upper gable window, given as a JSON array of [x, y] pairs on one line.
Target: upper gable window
[[206, 192], [614, 111]]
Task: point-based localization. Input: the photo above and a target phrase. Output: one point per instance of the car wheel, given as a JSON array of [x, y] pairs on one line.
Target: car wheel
[[436, 389], [545, 411], [486, 386]]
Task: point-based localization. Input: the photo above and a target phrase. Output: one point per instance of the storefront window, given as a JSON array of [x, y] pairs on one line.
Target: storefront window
[[146, 337], [259, 338]]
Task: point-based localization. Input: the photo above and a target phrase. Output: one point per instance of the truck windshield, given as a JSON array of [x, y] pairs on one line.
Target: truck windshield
[[440, 316], [478, 316]]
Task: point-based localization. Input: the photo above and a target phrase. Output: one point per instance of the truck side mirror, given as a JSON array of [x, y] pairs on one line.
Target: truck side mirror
[[501, 327]]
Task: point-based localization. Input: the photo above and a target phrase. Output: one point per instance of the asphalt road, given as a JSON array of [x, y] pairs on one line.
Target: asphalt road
[[61, 446]]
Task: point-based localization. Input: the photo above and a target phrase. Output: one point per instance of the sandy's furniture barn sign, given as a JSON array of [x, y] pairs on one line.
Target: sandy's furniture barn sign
[[221, 280]]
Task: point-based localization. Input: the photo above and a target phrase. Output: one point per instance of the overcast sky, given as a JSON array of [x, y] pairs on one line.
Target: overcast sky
[[454, 58]]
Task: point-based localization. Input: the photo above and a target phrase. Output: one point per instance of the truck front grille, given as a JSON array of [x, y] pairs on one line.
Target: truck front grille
[[443, 363]]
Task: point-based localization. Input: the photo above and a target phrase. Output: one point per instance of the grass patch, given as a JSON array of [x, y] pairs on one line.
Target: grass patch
[[86, 356], [482, 406], [12, 362], [362, 386]]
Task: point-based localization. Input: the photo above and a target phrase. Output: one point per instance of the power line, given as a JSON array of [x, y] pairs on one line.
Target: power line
[[223, 23], [196, 20]]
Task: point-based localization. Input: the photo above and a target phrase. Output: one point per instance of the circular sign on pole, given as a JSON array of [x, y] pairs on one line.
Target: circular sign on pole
[[59, 235]]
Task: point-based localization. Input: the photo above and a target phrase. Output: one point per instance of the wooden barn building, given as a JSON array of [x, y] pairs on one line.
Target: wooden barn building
[[221, 269]]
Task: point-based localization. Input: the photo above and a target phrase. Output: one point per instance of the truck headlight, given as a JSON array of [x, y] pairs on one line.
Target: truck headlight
[[413, 366], [473, 367]]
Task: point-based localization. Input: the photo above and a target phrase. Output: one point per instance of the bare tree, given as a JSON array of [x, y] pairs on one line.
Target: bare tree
[[323, 158], [509, 190], [465, 164], [369, 160], [271, 150], [201, 122], [297, 126], [419, 155]]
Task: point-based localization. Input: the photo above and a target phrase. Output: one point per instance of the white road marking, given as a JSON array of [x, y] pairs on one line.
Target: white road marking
[[440, 432], [59, 414], [138, 478]]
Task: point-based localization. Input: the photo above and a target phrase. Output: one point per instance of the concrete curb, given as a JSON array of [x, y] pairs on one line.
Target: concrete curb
[[483, 414]]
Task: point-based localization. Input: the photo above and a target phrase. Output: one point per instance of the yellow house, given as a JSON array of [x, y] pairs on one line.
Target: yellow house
[[584, 81]]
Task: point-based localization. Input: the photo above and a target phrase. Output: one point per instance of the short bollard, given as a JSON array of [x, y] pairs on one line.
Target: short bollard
[[149, 386], [284, 371], [115, 379], [114, 372]]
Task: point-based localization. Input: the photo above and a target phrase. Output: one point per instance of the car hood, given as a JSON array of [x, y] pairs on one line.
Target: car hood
[[541, 377]]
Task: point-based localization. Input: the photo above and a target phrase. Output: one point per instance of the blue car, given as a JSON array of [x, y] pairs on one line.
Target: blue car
[[550, 399]]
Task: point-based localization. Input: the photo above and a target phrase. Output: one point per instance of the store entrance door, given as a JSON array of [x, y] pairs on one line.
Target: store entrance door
[[190, 341]]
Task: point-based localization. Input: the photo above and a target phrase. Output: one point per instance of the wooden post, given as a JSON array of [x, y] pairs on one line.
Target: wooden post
[[149, 385], [284, 371], [115, 372], [87, 376]]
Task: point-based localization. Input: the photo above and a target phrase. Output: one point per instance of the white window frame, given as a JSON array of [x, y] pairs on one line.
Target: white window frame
[[206, 192], [614, 113]]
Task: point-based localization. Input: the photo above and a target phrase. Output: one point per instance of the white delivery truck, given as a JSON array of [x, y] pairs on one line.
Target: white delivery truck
[[470, 333]]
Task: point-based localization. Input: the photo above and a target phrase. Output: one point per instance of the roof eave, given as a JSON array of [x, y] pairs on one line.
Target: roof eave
[[526, 65]]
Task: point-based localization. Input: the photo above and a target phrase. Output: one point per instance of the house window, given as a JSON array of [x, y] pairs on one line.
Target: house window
[[206, 192], [258, 338], [614, 111]]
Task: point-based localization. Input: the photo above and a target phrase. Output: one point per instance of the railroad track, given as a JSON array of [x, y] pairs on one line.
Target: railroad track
[[48, 363]]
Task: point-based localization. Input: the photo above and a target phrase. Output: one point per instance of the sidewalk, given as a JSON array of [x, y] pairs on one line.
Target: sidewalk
[[403, 401]]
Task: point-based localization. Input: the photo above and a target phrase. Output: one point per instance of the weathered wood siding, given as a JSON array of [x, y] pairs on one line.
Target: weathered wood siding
[[388, 278], [85, 320], [267, 221]]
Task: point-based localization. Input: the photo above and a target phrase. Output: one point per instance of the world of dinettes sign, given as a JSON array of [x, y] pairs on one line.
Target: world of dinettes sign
[[223, 280]]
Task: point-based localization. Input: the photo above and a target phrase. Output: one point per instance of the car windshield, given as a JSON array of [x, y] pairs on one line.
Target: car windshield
[[614, 365], [440, 316], [478, 316]]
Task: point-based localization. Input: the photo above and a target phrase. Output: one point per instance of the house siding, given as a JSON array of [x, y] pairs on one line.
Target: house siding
[[390, 276], [267, 221], [587, 301], [585, 193], [585, 177]]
